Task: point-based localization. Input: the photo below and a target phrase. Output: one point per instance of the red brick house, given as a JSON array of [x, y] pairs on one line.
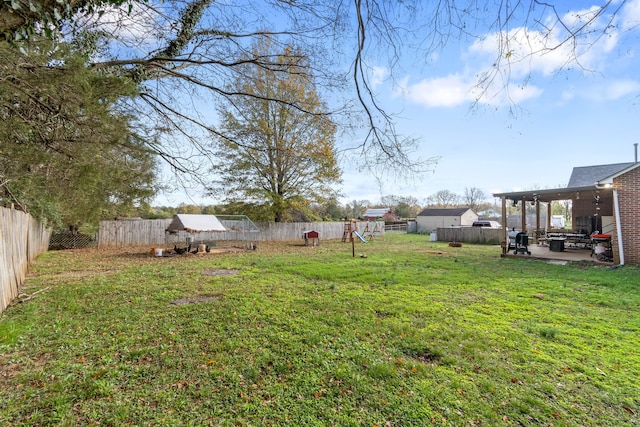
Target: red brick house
[[605, 199]]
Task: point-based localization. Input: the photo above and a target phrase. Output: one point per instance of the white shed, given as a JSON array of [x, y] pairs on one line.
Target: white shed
[[431, 219]]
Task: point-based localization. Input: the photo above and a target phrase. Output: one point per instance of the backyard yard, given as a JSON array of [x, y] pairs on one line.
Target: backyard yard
[[406, 333]]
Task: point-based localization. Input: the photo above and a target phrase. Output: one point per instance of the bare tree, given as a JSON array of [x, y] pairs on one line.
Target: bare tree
[[443, 199], [473, 198], [191, 48], [201, 46]]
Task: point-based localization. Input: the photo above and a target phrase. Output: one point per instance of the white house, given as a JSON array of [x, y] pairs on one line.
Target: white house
[[431, 219]]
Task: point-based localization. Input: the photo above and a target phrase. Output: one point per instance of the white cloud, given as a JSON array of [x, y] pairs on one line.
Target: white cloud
[[518, 94], [622, 88], [378, 76], [613, 91], [630, 16], [455, 90], [502, 67], [447, 91], [521, 52]]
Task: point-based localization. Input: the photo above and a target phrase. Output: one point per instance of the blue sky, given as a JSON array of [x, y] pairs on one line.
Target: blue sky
[[552, 117], [557, 117]]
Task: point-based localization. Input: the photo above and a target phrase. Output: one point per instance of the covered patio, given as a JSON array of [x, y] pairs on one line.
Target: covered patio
[[588, 240], [541, 251]]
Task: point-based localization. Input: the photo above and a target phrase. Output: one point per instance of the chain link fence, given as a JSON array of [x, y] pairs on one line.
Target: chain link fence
[[72, 240]]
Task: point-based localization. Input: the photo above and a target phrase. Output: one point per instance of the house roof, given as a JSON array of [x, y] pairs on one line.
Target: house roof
[[609, 179], [583, 176], [195, 223], [443, 211], [377, 212]]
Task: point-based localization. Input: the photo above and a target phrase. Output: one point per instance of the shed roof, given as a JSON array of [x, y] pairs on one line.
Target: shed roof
[[195, 223], [443, 211]]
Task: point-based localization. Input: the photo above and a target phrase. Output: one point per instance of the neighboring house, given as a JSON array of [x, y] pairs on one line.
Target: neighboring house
[[431, 219], [385, 214], [605, 198], [489, 214]]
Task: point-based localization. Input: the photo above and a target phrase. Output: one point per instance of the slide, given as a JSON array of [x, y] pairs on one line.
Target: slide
[[360, 236]]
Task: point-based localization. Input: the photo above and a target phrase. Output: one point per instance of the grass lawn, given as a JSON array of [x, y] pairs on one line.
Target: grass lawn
[[416, 333]]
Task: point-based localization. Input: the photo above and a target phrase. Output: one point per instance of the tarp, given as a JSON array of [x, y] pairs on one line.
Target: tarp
[[195, 223]]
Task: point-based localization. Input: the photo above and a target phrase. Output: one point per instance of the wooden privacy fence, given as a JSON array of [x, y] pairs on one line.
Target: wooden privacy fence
[[22, 239], [470, 235], [122, 233]]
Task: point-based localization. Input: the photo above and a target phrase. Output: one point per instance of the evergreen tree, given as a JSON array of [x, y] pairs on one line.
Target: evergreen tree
[[66, 154]]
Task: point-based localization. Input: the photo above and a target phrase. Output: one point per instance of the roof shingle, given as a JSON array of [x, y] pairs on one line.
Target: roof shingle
[[584, 176]]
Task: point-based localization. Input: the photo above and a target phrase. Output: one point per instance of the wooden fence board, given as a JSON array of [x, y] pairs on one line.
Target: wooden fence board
[[470, 235], [122, 233], [22, 239]]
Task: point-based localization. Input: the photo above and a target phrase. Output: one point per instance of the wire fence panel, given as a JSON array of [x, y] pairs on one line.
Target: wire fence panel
[[71, 240]]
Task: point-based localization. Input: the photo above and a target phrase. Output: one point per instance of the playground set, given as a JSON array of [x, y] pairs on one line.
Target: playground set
[[371, 229]]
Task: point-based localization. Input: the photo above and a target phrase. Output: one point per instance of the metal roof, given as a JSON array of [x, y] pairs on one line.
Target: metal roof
[[195, 223]]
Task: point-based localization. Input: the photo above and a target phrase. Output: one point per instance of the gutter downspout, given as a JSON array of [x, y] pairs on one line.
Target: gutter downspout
[[616, 207]]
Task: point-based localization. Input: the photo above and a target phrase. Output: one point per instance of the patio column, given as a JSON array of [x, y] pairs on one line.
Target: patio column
[[524, 215], [504, 241]]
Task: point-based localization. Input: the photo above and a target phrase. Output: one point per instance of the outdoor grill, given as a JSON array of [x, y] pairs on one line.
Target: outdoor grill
[[601, 246], [512, 239], [522, 244]]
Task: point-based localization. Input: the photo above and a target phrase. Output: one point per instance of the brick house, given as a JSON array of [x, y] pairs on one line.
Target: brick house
[[605, 199]]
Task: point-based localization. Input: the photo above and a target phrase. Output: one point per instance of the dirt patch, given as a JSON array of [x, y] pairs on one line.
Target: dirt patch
[[68, 275], [427, 357], [432, 252], [424, 356], [212, 272], [196, 300]]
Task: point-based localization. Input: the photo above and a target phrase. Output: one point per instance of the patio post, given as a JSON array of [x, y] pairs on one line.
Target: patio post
[[504, 242], [537, 219]]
